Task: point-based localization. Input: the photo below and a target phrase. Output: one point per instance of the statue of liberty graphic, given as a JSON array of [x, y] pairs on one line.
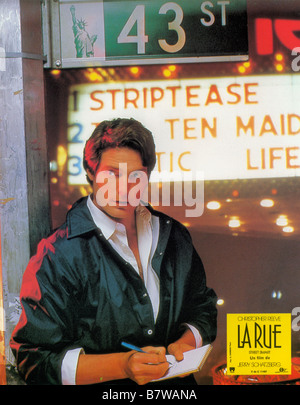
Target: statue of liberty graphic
[[83, 42]]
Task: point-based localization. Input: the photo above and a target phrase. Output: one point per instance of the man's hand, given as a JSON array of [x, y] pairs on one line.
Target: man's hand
[[184, 344], [177, 349], [145, 367]]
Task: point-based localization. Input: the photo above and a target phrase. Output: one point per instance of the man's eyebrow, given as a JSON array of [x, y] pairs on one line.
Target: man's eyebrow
[[116, 168], [142, 169], [109, 167]]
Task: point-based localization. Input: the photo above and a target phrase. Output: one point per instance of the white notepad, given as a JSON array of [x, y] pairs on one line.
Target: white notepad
[[192, 362]]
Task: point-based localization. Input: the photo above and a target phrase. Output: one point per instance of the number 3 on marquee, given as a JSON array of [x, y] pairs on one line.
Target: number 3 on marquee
[[138, 17]]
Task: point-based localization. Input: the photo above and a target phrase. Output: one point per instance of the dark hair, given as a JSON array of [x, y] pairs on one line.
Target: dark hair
[[118, 133]]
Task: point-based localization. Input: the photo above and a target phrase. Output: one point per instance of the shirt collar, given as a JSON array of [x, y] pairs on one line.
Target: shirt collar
[[107, 225]]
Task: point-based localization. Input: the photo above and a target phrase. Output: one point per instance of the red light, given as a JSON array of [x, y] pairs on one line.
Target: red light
[[264, 36], [235, 193], [285, 31]]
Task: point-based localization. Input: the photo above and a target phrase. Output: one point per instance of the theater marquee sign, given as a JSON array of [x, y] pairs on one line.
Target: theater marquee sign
[[100, 32], [227, 128]]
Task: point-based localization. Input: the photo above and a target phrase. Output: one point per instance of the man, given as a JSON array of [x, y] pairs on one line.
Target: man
[[115, 271]]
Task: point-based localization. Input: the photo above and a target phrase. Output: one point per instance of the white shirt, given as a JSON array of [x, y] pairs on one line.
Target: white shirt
[[115, 233], [147, 232]]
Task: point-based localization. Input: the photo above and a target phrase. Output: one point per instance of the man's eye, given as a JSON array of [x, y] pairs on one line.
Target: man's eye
[[135, 175]]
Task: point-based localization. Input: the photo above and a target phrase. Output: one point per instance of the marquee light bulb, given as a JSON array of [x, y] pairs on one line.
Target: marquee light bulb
[[279, 57], [135, 70], [213, 205], [288, 229], [234, 223], [267, 203], [167, 73], [282, 220], [279, 67], [55, 72]]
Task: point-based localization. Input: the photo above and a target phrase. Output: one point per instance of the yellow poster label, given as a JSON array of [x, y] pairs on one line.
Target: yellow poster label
[[258, 344]]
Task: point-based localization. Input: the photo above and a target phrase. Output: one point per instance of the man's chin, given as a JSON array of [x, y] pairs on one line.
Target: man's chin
[[118, 210]]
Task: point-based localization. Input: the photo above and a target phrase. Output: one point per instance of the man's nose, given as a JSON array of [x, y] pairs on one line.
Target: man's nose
[[122, 188]]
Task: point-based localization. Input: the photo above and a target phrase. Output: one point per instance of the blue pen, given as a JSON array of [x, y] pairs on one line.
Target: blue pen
[[132, 347], [138, 349]]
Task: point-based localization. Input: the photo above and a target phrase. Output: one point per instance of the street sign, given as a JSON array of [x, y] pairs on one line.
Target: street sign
[[110, 33]]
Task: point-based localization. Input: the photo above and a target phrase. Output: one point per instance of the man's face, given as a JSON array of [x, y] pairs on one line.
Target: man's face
[[119, 182]]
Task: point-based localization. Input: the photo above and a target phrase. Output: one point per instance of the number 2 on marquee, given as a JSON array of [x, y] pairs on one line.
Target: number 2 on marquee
[[138, 17]]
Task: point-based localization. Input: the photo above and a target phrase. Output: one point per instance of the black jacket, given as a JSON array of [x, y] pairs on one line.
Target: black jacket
[[78, 292]]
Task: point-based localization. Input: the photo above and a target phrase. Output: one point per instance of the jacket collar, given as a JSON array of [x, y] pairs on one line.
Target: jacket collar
[[108, 225], [79, 220]]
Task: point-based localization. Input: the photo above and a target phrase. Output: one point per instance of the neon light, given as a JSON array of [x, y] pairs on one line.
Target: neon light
[[264, 36], [285, 30]]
